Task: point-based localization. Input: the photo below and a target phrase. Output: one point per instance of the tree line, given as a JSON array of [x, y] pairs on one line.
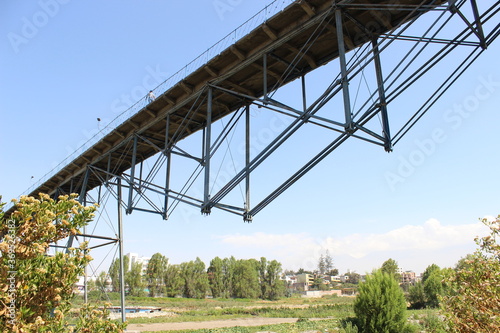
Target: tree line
[[224, 278]]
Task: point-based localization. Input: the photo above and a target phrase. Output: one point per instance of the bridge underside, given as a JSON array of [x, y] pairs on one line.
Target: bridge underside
[[364, 37]]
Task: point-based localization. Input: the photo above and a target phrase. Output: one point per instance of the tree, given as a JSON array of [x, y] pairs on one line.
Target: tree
[[321, 265], [303, 271], [319, 284], [390, 266], [216, 277], [473, 304], [353, 277], [433, 288], [329, 263], [134, 280], [195, 279], [272, 287], [157, 266], [428, 271], [228, 266], [246, 280], [174, 284], [325, 264], [380, 305], [434, 285], [416, 296], [35, 288], [101, 282], [114, 272]]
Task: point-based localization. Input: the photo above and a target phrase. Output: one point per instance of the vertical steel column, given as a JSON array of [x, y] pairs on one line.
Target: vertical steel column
[[264, 75], [246, 216], [83, 201], [477, 19], [108, 170], [168, 154], [140, 177], [304, 101], [381, 94], [343, 69], [208, 133], [120, 249], [132, 177]]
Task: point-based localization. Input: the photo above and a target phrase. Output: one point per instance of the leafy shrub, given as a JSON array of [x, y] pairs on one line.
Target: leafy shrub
[[35, 288]]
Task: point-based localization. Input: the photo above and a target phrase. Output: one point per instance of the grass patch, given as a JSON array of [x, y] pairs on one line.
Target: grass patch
[[302, 325], [339, 310]]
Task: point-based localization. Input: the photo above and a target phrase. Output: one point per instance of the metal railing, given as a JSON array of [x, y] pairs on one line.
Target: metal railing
[[270, 10]]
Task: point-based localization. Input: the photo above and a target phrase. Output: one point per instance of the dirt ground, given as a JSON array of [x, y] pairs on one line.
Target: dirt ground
[[208, 324]]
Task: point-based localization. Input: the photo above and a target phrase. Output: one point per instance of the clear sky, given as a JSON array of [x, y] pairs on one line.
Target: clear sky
[[63, 64]]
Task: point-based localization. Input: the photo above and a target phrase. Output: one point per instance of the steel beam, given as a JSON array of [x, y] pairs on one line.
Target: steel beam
[[381, 95], [132, 175], [207, 154], [120, 250], [247, 217], [343, 71], [168, 155]]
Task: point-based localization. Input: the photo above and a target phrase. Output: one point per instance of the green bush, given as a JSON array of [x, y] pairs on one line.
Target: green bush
[[380, 305]]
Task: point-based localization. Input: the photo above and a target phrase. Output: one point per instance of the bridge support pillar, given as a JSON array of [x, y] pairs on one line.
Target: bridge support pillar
[[246, 216], [207, 154], [132, 177], [120, 248], [343, 71], [168, 155], [381, 95]]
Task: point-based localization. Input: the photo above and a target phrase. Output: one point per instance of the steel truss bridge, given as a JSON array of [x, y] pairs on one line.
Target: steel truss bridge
[[390, 45]]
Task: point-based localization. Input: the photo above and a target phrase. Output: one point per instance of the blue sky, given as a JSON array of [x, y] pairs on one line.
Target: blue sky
[[65, 63]]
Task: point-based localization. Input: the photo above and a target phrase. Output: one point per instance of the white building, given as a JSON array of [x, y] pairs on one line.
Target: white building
[[134, 258]]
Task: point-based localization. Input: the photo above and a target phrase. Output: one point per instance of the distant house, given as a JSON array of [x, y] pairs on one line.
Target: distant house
[[344, 278], [408, 277], [306, 280]]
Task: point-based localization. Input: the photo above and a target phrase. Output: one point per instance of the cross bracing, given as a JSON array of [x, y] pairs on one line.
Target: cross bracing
[[381, 51], [299, 40]]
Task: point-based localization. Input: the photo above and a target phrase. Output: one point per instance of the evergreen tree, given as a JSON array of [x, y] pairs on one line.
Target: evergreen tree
[[380, 305], [321, 265], [329, 263]]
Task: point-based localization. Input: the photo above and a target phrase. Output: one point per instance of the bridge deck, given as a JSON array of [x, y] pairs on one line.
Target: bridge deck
[[239, 68]]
